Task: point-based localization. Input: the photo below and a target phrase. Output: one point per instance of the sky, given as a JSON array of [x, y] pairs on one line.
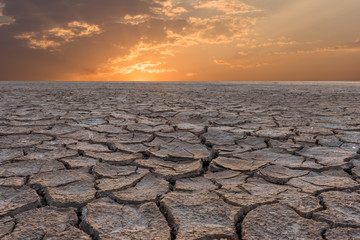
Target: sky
[[179, 40]]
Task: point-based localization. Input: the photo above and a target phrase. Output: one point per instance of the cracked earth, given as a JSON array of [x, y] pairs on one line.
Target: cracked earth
[[179, 161]]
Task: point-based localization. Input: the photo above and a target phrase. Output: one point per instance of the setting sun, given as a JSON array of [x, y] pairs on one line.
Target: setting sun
[[139, 77]]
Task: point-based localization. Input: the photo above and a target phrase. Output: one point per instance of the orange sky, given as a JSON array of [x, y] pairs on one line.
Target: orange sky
[[180, 40]]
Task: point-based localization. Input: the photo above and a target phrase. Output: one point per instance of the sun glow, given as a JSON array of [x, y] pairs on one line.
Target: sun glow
[[140, 77]]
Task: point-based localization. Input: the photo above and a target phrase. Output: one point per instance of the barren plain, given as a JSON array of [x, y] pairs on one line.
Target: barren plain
[[179, 161]]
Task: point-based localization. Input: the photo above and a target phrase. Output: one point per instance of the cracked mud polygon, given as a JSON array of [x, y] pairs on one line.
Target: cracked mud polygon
[[179, 161]]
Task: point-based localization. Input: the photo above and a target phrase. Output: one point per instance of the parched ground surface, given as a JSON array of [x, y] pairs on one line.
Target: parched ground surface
[[179, 161]]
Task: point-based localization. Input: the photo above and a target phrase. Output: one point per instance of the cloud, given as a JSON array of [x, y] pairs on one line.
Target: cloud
[[55, 37], [113, 36], [220, 29], [258, 53], [229, 7], [51, 13], [44, 27], [104, 38], [175, 32], [5, 20], [178, 34], [348, 48], [245, 64], [134, 20], [117, 39], [283, 41], [168, 8], [147, 67]]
